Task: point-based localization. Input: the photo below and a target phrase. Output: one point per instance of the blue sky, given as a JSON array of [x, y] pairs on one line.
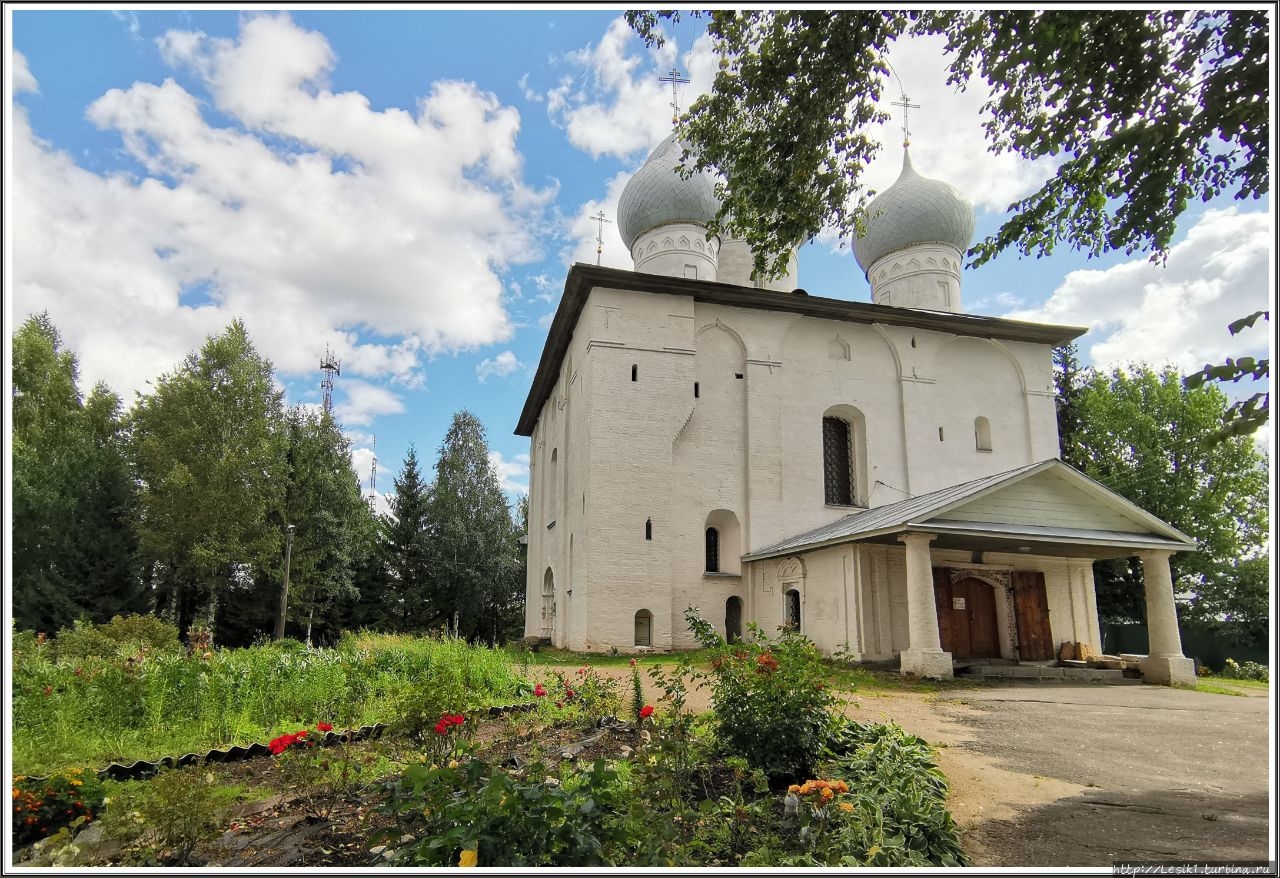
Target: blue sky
[[409, 187]]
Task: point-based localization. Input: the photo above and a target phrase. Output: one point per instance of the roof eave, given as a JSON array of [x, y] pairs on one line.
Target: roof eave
[[582, 278]]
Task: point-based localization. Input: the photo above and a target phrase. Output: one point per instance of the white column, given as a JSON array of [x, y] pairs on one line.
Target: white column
[[923, 656], [1165, 662]]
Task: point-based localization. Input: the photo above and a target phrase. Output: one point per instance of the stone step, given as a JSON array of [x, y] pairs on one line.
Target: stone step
[[1042, 674]]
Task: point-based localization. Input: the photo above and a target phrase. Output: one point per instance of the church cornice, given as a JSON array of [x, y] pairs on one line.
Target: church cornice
[[582, 279]]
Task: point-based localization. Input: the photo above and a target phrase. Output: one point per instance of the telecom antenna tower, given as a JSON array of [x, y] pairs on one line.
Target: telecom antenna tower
[[373, 477], [330, 366]]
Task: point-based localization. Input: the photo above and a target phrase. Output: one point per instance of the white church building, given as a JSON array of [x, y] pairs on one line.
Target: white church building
[[882, 476]]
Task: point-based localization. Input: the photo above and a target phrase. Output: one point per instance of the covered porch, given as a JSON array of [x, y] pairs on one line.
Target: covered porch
[[999, 568]]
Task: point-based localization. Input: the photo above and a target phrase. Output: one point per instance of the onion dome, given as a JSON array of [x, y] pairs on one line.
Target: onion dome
[[657, 195], [914, 210]]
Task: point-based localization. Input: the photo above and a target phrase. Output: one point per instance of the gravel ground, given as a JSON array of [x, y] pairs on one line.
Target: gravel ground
[[1084, 775]]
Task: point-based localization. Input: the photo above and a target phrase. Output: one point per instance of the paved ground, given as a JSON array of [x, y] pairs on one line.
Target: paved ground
[[1083, 775]]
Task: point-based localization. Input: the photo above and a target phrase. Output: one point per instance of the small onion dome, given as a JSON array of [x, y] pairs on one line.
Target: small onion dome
[[914, 210], [657, 195]]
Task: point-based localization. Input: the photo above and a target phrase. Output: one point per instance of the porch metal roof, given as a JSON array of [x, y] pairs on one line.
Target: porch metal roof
[[927, 513]]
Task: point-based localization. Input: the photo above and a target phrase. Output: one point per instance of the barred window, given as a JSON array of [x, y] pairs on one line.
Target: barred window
[[837, 472], [792, 619], [713, 550]]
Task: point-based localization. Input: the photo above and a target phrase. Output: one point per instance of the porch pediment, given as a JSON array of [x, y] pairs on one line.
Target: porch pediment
[[1045, 508]]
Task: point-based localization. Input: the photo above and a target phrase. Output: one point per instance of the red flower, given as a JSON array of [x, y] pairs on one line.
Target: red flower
[[458, 720], [325, 727], [568, 694], [632, 663], [646, 711], [442, 728], [582, 671], [538, 691]]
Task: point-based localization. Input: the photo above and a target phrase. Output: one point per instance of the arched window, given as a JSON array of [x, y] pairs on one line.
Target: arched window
[[792, 617], [982, 433], [713, 550], [644, 628], [837, 468]]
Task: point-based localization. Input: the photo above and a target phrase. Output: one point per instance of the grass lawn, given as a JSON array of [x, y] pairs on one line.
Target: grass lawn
[[1230, 685]]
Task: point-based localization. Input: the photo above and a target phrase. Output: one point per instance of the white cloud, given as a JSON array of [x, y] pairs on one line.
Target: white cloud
[[1138, 311], [503, 364], [364, 402], [312, 217], [22, 78], [583, 232], [947, 140], [529, 93], [617, 106], [513, 475]]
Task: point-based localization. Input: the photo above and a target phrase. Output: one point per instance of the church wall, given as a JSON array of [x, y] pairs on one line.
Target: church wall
[[649, 450]]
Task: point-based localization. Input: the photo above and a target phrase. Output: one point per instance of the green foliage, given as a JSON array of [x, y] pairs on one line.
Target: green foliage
[[406, 551], [94, 710], [323, 502], [1154, 110], [74, 547], [43, 805], [585, 697], [1142, 434], [170, 813], [1247, 671], [208, 447], [477, 590], [1244, 416], [506, 820], [637, 692], [769, 698]]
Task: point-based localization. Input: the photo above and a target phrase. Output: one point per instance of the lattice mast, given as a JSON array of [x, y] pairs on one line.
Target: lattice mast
[[330, 366], [372, 498]]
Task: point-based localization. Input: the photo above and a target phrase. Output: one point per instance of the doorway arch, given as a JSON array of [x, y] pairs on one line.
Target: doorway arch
[[644, 628], [733, 619]]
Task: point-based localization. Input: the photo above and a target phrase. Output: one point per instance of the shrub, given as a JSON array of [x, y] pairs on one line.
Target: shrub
[[169, 814], [473, 815], [769, 699], [1247, 671], [41, 806]]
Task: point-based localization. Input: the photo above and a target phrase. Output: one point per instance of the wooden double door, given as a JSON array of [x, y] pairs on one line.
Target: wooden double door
[[967, 621]]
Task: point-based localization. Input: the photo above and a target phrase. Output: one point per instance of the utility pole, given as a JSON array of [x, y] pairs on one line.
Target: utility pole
[[284, 592]]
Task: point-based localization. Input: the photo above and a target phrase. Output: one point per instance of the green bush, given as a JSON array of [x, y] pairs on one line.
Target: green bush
[[474, 815], [1247, 671], [769, 697]]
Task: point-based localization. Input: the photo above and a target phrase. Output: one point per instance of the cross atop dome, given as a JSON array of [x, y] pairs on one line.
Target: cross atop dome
[[674, 77]]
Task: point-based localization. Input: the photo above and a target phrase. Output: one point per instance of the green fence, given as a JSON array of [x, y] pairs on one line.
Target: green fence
[[1210, 647]]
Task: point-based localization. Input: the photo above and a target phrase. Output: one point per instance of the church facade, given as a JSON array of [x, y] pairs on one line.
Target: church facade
[[882, 476]]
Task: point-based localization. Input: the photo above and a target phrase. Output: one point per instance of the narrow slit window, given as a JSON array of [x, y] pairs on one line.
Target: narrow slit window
[[695, 390], [940, 439], [713, 550], [737, 375], [634, 371], [648, 528]]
